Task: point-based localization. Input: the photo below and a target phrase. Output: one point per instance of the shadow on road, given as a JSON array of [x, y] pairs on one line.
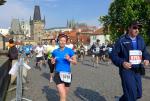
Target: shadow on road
[[147, 70], [45, 75], [87, 62], [51, 94], [88, 95], [90, 63]]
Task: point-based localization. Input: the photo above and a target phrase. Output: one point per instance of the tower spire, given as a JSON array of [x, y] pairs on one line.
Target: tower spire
[[37, 14]]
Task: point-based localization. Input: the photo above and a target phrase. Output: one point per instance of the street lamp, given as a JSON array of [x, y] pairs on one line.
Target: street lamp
[[3, 42]]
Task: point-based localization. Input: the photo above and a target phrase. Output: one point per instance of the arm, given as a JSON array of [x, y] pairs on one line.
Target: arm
[[116, 59], [145, 55], [71, 59]]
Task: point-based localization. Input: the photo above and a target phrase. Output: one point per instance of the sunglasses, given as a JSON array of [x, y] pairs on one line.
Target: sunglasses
[[135, 27]]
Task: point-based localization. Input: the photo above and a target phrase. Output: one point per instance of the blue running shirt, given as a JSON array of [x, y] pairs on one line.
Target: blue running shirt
[[62, 65], [27, 49]]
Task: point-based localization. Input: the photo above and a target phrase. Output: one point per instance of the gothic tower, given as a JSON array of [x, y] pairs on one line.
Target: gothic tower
[[37, 25]]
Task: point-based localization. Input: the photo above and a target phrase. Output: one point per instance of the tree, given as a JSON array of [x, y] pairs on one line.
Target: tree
[[2, 2], [122, 13]]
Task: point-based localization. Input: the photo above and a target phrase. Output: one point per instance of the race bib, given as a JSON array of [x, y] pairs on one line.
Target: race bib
[[65, 77], [97, 49], [82, 51], [135, 56]]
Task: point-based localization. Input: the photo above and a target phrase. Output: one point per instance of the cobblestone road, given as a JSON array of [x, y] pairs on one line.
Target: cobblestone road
[[89, 84]]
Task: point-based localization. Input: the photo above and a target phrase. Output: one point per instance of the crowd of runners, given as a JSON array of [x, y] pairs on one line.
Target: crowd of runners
[[60, 53], [57, 54]]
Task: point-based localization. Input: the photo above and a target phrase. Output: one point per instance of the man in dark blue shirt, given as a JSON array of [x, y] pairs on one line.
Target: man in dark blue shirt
[[128, 54]]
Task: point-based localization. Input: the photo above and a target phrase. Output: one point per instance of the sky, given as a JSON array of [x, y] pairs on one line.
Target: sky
[[56, 12]]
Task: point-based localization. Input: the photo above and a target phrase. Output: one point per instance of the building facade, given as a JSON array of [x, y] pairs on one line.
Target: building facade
[[15, 27], [4, 31], [25, 27], [99, 34]]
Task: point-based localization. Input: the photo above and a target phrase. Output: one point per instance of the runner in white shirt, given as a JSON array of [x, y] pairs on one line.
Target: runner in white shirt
[[39, 50], [45, 46], [69, 44]]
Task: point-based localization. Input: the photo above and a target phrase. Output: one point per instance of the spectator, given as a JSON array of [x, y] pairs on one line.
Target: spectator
[[128, 53], [13, 56]]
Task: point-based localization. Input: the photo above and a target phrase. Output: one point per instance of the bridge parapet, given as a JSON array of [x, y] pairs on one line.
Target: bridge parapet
[[5, 66]]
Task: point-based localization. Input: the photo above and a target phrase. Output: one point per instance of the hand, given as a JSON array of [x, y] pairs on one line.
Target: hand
[[146, 62], [67, 57], [127, 65], [53, 60]]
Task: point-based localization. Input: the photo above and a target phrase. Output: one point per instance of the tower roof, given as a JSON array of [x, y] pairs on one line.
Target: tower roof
[[37, 14]]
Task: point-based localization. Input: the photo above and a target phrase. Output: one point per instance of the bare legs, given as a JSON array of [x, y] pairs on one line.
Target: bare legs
[[51, 77], [63, 91]]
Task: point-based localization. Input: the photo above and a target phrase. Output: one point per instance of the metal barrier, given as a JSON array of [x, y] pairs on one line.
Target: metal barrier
[[19, 87]]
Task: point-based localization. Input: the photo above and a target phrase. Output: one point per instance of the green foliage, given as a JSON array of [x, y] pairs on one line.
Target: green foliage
[[122, 13], [2, 2]]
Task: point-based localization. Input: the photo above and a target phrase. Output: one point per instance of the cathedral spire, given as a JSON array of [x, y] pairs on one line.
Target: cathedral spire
[[37, 14]]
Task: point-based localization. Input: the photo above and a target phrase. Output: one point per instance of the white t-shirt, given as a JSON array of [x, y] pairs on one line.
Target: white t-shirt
[[39, 51], [45, 48], [86, 48], [69, 46]]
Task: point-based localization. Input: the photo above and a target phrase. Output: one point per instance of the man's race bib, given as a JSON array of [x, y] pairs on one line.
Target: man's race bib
[[135, 56], [65, 77]]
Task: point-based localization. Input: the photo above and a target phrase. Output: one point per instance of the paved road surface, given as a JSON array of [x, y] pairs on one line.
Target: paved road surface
[[89, 84]]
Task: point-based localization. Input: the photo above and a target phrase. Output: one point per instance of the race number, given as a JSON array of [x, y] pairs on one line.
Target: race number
[[82, 51], [97, 49], [135, 56], [65, 77]]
